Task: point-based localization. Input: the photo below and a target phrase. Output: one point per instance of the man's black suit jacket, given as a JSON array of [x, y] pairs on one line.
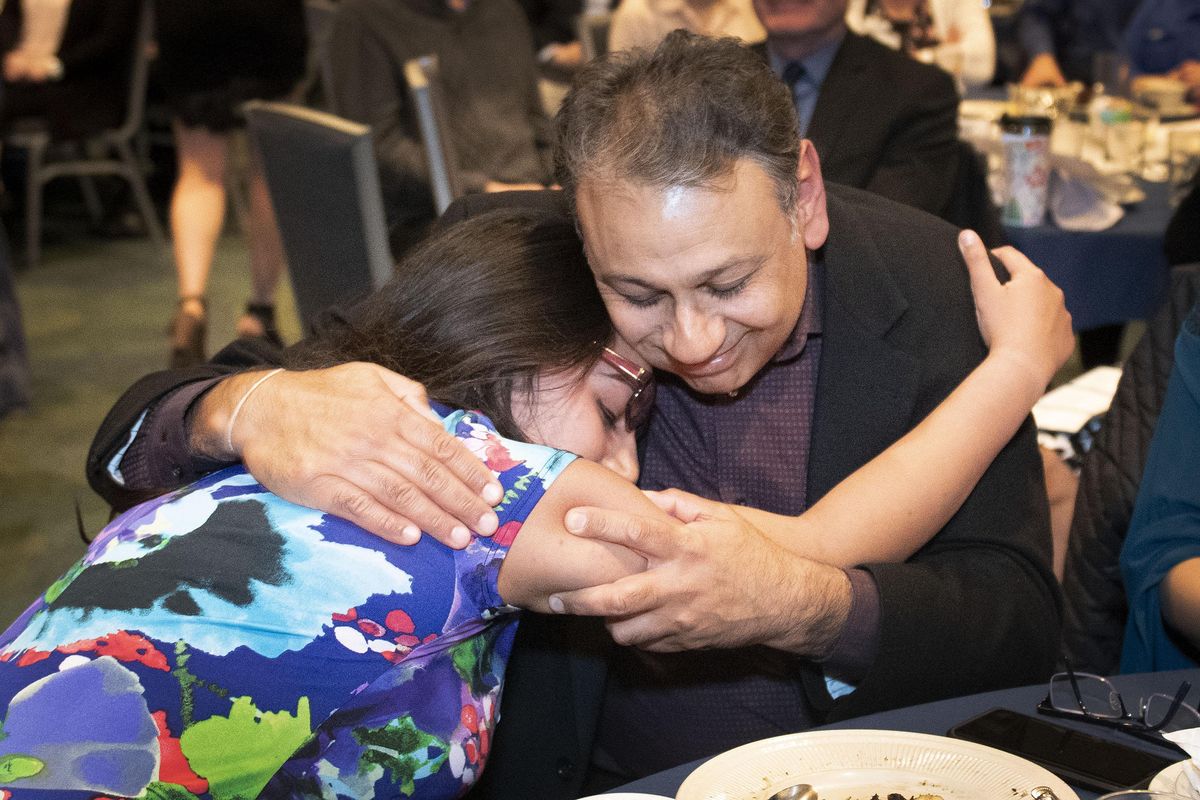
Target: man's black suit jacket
[[976, 609], [886, 123]]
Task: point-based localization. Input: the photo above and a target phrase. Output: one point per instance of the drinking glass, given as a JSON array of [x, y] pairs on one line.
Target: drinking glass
[[1110, 73], [1123, 143]]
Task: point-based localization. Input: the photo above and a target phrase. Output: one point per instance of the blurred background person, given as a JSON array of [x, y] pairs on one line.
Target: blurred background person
[[1085, 40], [880, 121], [954, 34], [1062, 38], [555, 40], [556, 44], [644, 23], [66, 62], [1164, 38], [499, 133], [213, 56]]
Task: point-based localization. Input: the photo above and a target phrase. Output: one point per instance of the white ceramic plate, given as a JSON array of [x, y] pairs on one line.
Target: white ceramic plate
[[1171, 779], [625, 796], [856, 764]]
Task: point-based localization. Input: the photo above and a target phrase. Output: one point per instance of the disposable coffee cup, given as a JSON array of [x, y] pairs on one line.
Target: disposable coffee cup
[[1026, 141]]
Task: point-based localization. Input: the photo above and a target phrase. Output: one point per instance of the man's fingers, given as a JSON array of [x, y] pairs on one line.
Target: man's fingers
[[627, 597], [410, 392], [675, 503], [440, 485], [428, 434], [644, 633], [359, 506], [456, 470], [651, 537], [401, 497], [685, 506]]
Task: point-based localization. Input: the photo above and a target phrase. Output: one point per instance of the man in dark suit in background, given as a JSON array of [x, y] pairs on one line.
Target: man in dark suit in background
[[499, 134], [880, 120]]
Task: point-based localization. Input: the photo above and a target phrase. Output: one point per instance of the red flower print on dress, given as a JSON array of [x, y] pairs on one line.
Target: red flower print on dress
[[506, 533], [30, 656], [349, 616], [173, 765], [470, 718], [123, 646], [399, 622], [371, 628], [497, 458]]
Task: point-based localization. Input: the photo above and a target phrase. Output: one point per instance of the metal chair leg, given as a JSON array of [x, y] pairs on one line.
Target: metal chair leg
[[87, 184], [33, 204], [91, 199], [141, 194]]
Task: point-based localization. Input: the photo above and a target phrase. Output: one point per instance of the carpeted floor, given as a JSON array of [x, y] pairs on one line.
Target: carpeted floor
[[96, 312]]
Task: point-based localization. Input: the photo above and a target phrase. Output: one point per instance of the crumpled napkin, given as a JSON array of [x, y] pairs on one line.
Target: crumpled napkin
[[1189, 740], [1083, 200]]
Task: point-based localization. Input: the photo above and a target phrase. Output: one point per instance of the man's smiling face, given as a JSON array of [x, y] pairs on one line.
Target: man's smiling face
[[705, 282]]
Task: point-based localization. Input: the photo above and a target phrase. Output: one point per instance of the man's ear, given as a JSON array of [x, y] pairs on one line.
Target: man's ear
[[810, 197]]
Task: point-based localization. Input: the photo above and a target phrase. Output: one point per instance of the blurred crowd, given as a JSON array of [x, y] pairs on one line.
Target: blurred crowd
[[67, 65]]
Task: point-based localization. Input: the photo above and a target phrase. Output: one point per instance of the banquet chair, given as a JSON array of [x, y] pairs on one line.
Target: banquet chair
[[109, 152], [1094, 606], [324, 185], [592, 29], [424, 86]]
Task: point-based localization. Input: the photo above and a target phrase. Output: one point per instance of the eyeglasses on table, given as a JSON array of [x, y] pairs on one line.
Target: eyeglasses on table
[[1092, 698]]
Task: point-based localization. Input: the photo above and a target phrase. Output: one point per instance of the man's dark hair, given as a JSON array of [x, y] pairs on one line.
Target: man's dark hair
[[681, 114], [476, 311]]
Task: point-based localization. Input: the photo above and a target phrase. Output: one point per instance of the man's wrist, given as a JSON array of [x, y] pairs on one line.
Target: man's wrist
[[207, 435], [817, 612]]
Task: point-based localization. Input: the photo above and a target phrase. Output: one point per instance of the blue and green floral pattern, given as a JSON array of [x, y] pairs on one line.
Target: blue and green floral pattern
[[222, 642]]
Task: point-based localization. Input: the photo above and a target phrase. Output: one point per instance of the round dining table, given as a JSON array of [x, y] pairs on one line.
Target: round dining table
[[937, 718], [1108, 277]]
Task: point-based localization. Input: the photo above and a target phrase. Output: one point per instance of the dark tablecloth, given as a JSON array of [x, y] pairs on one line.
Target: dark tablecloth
[[937, 718], [1111, 276]]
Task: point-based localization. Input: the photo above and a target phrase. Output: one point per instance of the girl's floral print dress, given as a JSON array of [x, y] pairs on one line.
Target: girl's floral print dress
[[222, 642]]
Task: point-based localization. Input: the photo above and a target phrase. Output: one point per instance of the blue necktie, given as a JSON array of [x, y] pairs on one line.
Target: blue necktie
[[795, 76]]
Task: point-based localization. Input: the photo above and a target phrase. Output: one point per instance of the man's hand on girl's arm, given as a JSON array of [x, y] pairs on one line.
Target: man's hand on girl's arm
[[355, 440]]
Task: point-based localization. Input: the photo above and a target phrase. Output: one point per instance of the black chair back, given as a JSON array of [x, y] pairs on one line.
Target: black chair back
[[321, 174]]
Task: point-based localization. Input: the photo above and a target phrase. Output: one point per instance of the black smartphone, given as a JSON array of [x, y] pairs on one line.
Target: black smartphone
[[1081, 759]]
